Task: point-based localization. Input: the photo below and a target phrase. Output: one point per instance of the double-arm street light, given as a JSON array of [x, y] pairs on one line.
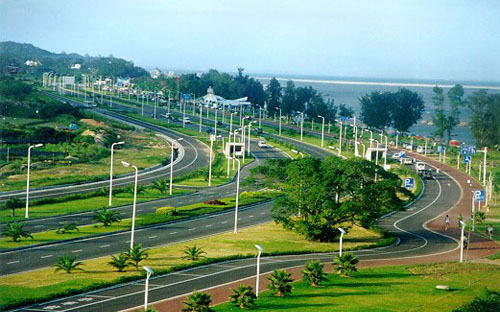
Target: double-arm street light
[[213, 137], [322, 130], [172, 164], [111, 171], [126, 164], [27, 215]]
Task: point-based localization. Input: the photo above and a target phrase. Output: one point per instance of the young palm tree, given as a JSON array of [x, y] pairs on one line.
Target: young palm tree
[[136, 254], [198, 302], [193, 253], [140, 189], [15, 231], [161, 185], [68, 264], [106, 216], [346, 264], [280, 282], [120, 262], [243, 297], [67, 228], [313, 273]]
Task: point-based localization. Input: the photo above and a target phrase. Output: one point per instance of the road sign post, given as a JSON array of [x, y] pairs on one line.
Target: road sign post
[[409, 183]]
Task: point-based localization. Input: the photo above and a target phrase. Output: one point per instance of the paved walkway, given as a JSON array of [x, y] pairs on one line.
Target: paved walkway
[[479, 247]]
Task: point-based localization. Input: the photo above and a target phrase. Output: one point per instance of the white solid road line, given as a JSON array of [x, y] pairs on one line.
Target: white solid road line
[[78, 250], [12, 262], [47, 256], [104, 246]]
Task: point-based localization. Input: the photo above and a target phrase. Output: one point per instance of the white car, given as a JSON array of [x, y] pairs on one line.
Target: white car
[[262, 144], [398, 155], [407, 161], [420, 149], [186, 120], [409, 147], [420, 166]]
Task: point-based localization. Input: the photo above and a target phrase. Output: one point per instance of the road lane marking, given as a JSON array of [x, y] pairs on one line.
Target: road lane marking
[[104, 246], [250, 216], [223, 222], [47, 256], [191, 229], [208, 225], [12, 262], [154, 236], [78, 250], [173, 233]]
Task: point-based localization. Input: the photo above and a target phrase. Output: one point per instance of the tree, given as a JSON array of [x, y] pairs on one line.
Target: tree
[[406, 109], [198, 302], [313, 273], [119, 262], [67, 264], [12, 204], [455, 95], [140, 189], [273, 95], [485, 120], [289, 98], [280, 283], [193, 253], [243, 297], [487, 301], [67, 228], [346, 264], [15, 231], [375, 109], [345, 111], [161, 185], [136, 254], [106, 216], [439, 119]]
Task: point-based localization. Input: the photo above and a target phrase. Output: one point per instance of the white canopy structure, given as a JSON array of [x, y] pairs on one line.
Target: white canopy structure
[[216, 101]]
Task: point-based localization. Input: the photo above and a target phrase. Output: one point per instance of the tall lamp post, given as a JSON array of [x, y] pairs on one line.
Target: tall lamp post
[[301, 126], [322, 130], [279, 120], [27, 215], [462, 223], [172, 163], [342, 232], [126, 164], [257, 276], [111, 171], [237, 197], [212, 139], [149, 272]]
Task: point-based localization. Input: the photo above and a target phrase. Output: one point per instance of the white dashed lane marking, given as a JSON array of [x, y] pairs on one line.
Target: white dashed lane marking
[[154, 236], [12, 262], [78, 250], [47, 256], [104, 246]]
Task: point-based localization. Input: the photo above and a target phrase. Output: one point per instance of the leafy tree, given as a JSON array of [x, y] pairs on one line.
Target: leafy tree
[[67, 228], [280, 283], [375, 109], [106, 216], [136, 254], [289, 98], [406, 109], [161, 185], [243, 297], [198, 302], [455, 95], [12, 204], [15, 231], [345, 111], [439, 119], [313, 273], [346, 264], [273, 95], [68, 264], [485, 121], [487, 301], [119, 262], [193, 253]]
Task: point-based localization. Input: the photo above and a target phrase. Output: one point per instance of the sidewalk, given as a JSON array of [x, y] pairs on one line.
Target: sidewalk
[[479, 247]]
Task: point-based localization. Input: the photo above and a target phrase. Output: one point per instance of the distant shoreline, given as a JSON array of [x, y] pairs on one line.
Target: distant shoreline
[[386, 84]]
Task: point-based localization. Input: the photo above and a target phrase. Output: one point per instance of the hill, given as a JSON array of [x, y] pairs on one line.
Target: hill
[[16, 54]]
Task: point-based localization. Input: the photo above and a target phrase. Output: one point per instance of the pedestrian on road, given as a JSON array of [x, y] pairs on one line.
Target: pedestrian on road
[[460, 218], [489, 229], [446, 222]]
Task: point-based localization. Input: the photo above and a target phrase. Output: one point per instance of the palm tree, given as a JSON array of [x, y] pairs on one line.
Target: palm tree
[[119, 262], [68, 264], [280, 282], [193, 253], [346, 264], [106, 216], [67, 227], [243, 297], [15, 231], [313, 273], [140, 189], [198, 302], [161, 185], [136, 254]]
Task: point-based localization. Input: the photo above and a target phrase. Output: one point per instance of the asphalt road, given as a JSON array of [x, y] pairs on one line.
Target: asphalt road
[[409, 226]]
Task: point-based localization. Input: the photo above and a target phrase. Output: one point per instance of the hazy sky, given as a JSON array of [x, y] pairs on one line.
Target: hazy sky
[[417, 39]]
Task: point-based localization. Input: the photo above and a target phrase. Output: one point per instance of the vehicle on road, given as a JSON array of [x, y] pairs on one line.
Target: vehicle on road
[[426, 174], [420, 165], [186, 120], [259, 131], [168, 115], [398, 155], [262, 144], [407, 160], [420, 149], [409, 147]]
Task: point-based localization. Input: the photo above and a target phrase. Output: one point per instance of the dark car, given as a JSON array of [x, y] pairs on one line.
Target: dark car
[[259, 131], [209, 130], [219, 123]]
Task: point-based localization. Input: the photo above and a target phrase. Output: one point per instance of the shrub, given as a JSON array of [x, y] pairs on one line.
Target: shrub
[[68, 264], [487, 301], [67, 228], [136, 254], [15, 231], [280, 282], [12, 204], [167, 211], [193, 253], [313, 273], [214, 202], [198, 302], [119, 262], [346, 264], [243, 297], [251, 194], [106, 216]]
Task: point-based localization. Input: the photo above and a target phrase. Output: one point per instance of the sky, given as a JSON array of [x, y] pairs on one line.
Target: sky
[[417, 39]]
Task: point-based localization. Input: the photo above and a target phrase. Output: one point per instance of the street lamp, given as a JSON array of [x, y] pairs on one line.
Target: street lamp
[[172, 163], [28, 180], [462, 223], [126, 164], [302, 127], [201, 116], [257, 276], [279, 120], [237, 197], [322, 130], [212, 139], [340, 138], [215, 122], [111, 171], [249, 136], [149, 272], [342, 232]]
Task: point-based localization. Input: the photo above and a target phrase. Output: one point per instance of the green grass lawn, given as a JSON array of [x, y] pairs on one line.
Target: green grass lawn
[[44, 283], [400, 288]]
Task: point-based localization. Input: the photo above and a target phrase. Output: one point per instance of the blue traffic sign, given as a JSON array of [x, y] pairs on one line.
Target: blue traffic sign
[[409, 182], [465, 151], [472, 149], [402, 155], [186, 96], [344, 118], [480, 195], [440, 149], [467, 159]]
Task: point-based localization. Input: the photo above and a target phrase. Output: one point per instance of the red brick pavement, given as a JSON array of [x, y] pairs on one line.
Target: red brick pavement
[[479, 247]]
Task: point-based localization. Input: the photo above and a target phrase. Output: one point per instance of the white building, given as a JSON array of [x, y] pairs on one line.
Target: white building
[[31, 63], [76, 66], [154, 73], [216, 101]]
